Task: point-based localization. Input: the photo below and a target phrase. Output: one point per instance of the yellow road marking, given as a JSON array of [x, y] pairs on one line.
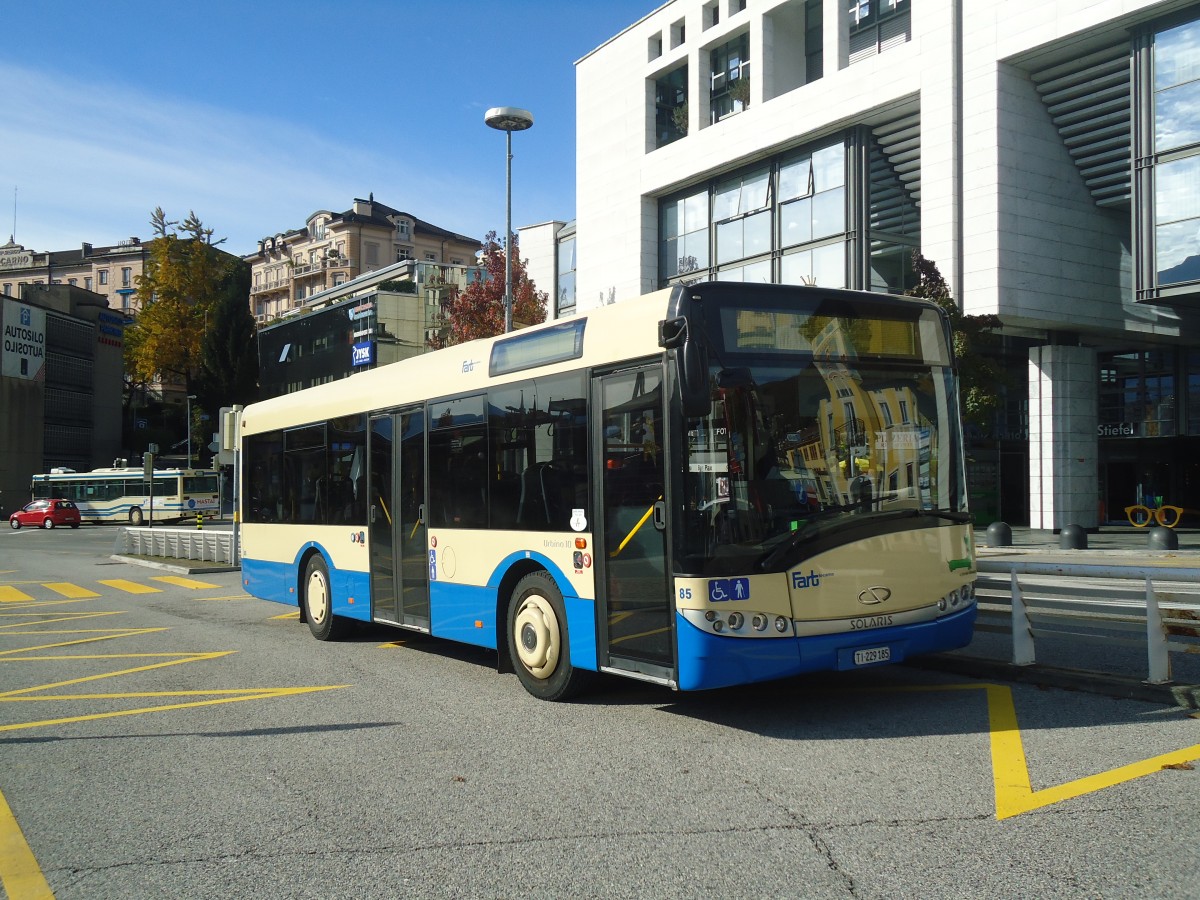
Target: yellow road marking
[[292, 615], [131, 587], [19, 870], [230, 597], [248, 694], [184, 582], [10, 594], [32, 619], [70, 590]]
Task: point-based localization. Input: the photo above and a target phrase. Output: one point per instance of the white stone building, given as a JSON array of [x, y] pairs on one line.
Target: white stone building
[[1044, 153]]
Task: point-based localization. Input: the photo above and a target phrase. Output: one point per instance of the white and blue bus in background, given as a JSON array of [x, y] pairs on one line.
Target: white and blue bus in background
[[711, 485], [123, 494]]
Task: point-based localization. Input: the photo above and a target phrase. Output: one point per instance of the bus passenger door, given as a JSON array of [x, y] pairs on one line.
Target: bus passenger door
[[635, 604], [399, 567]]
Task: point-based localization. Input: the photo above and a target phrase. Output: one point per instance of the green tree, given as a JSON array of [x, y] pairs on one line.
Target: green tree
[[477, 311], [976, 346], [228, 372]]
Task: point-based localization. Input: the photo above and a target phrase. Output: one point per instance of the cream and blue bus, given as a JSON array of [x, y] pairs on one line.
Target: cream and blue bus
[[707, 486], [124, 494]]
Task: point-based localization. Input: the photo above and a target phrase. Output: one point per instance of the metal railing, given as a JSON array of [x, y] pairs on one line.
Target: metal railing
[[1032, 600], [177, 543]]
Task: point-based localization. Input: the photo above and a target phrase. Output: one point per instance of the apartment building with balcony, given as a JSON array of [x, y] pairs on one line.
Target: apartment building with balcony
[[332, 249], [110, 271], [1044, 153]]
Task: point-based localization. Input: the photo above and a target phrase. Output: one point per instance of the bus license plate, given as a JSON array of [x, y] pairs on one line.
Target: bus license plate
[[872, 655]]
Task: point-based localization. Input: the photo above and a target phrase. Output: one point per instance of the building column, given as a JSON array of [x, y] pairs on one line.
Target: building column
[[1062, 437]]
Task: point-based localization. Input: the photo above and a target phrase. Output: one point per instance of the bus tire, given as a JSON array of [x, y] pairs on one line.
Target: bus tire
[[135, 516], [317, 598], [538, 643]]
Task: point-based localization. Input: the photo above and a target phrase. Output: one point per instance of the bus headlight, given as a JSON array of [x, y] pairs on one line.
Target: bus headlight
[[781, 624], [736, 620], [759, 622]]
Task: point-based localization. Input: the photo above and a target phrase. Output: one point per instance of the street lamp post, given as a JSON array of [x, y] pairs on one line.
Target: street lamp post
[[190, 398], [508, 119]]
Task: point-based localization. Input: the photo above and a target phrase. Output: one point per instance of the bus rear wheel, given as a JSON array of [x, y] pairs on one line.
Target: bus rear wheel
[[538, 643], [135, 516], [318, 601]]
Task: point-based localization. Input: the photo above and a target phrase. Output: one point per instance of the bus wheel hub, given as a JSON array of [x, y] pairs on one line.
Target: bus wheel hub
[[538, 636]]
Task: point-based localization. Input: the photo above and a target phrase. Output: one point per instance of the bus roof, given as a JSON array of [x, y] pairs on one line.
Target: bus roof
[[625, 330]]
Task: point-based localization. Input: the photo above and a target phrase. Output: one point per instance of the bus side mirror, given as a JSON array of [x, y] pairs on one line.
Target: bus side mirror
[[691, 363]]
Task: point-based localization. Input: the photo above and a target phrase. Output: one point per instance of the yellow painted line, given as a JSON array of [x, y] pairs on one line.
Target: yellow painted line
[[230, 597], [254, 694], [291, 615], [10, 594], [19, 870], [130, 587], [105, 636], [184, 582], [184, 658], [70, 590], [32, 619], [391, 644]]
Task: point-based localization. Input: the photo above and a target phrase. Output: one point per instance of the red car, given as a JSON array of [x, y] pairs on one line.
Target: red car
[[46, 514]]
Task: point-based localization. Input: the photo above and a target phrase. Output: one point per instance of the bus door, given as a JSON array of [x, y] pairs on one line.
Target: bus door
[[635, 604], [399, 559]]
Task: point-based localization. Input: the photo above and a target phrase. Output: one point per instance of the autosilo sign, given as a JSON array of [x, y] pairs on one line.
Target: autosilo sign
[[24, 354]]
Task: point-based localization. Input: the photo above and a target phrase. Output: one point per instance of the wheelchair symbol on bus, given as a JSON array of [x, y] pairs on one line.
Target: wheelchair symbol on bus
[[723, 589]]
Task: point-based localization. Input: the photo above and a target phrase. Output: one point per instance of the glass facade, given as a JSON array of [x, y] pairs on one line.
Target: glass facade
[[729, 78], [670, 107], [790, 220], [1167, 167]]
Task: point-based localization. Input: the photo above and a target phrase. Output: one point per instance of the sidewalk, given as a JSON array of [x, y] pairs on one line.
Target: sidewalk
[[1111, 545]]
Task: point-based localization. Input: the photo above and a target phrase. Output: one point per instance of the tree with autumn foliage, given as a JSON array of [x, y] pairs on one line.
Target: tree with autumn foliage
[[976, 346], [477, 311], [182, 282]]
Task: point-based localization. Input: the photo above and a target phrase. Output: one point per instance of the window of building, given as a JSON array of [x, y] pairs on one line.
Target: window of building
[[712, 14], [877, 25], [87, 282], [678, 34], [1177, 143], [8, 288], [670, 107], [403, 229], [683, 236], [371, 253], [1137, 394], [654, 47], [72, 281], [729, 78], [103, 275], [783, 221], [126, 277], [814, 41], [566, 277]]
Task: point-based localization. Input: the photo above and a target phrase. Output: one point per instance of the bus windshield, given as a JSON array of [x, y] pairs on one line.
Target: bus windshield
[[807, 449]]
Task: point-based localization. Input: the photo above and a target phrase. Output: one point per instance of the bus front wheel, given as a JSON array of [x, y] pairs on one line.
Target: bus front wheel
[[537, 640], [135, 516], [318, 601]]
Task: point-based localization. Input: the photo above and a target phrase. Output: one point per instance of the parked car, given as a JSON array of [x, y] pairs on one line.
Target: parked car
[[46, 514]]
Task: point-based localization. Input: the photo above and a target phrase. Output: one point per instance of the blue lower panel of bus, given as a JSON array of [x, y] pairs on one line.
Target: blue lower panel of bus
[[278, 581], [467, 613], [711, 661]]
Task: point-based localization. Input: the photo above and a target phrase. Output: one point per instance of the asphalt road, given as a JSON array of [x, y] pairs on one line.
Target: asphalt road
[[165, 738]]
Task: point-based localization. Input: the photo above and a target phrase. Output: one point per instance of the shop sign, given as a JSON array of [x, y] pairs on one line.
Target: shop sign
[[1117, 429]]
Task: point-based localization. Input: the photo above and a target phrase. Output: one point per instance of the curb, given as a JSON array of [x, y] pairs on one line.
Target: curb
[[179, 568], [1186, 696]]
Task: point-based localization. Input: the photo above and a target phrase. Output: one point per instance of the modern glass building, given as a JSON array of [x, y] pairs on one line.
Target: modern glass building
[[1045, 154]]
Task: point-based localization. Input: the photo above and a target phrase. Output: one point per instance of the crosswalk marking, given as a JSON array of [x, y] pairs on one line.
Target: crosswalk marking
[[74, 591], [130, 587], [184, 582], [10, 594]]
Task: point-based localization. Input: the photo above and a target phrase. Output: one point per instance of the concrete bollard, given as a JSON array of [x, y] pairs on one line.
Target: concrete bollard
[[1159, 538], [999, 535], [1072, 537]]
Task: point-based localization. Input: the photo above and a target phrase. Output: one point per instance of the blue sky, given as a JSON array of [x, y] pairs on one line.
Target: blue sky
[[256, 114]]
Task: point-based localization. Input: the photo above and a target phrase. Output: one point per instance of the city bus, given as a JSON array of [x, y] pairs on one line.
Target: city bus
[[707, 486], [122, 493]]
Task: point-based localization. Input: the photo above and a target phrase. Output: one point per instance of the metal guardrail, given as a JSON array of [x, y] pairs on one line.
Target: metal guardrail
[[1116, 601], [177, 543]]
